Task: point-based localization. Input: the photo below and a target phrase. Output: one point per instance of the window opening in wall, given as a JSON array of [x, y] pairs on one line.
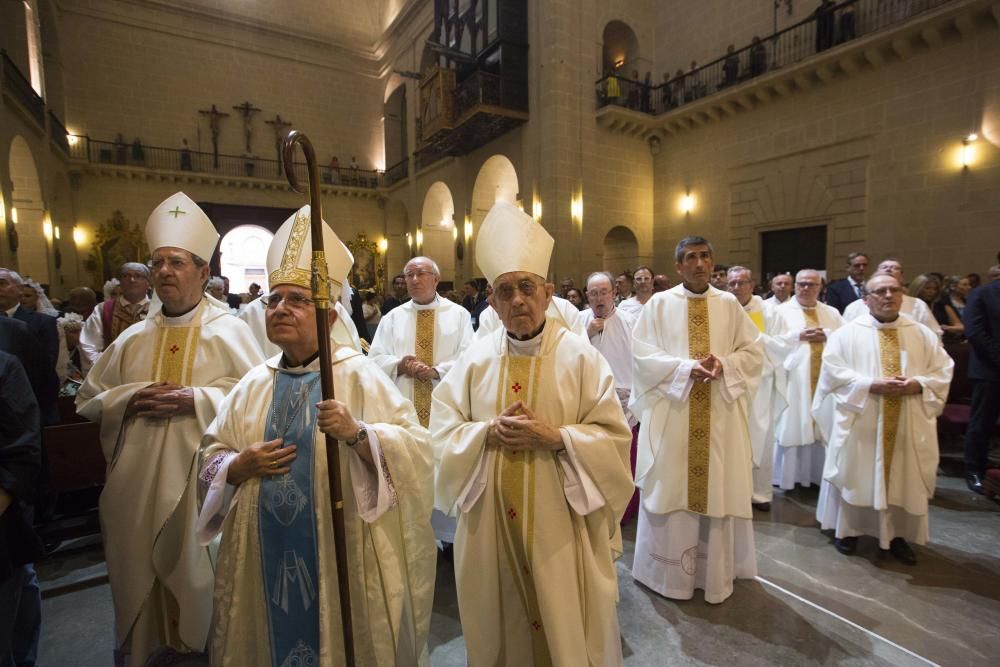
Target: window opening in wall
[[34, 47]]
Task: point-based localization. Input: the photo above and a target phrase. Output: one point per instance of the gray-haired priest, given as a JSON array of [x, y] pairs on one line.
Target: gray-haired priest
[[155, 390], [532, 451], [266, 489], [698, 359], [885, 379]]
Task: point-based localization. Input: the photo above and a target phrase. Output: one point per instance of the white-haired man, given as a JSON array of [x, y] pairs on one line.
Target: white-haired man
[[767, 401], [912, 306], [417, 343], [802, 327], [885, 380], [265, 476], [532, 453], [154, 391], [116, 314], [609, 329]]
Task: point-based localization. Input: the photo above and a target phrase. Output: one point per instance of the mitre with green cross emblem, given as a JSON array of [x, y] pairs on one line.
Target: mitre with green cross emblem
[[179, 223], [289, 258]]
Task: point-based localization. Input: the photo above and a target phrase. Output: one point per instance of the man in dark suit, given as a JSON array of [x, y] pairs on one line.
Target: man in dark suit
[[42, 328], [842, 292], [20, 459], [982, 329]]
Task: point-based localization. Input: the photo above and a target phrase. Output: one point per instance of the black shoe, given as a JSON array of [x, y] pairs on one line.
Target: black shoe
[[902, 551], [975, 482], [762, 507], [846, 545]]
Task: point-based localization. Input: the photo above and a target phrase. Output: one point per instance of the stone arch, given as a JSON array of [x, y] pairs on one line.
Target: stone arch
[[621, 250], [27, 199], [496, 181], [619, 48], [436, 234], [243, 257]]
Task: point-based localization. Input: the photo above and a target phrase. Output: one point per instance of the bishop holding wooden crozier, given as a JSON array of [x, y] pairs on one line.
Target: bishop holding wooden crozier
[[532, 449], [264, 475]]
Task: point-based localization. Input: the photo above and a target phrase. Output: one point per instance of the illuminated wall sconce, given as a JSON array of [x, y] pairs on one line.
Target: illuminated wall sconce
[[687, 203], [12, 230], [576, 209], [409, 241], [72, 139], [536, 210], [968, 154], [383, 245], [79, 237], [454, 233], [468, 228], [47, 227], [420, 239]]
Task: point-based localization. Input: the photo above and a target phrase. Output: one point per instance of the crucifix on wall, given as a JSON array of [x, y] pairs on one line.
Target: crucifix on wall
[[280, 128], [214, 116], [247, 110]]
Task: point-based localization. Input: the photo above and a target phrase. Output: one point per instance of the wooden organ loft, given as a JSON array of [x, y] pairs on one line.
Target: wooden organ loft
[[474, 78]]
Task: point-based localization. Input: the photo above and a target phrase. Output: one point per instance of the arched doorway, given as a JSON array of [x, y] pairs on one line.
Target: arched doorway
[[621, 250], [496, 181], [28, 209], [244, 257], [437, 233], [620, 49]]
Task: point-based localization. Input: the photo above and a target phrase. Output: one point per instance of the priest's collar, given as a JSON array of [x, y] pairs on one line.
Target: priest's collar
[[184, 318], [530, 337], [287, 365], [434, 303], [705, 292], [888, 324]]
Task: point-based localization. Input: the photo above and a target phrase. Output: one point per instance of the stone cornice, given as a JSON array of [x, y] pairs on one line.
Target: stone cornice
[[952, 22], [126, 172]]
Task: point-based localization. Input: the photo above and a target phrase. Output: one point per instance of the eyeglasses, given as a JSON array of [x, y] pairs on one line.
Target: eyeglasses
[[886, 292], [505, 291], [176, 263], [806, 285], [415, 275], [740, 283], [294, 300], [599, 293]]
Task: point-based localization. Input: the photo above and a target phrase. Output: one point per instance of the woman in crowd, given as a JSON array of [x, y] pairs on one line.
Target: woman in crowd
[[927, 288], [949, 308]]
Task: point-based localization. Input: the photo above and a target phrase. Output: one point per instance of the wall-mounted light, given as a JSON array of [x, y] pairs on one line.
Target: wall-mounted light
[[47, 227], [968, 151], [12, 229], [383, 245], [420, 238], [56, 230], [13, 214], [72, 139], [536, 210], [576, 209], [454, 233], [409, 241], [468, 228], [79, 237], [687, 203]]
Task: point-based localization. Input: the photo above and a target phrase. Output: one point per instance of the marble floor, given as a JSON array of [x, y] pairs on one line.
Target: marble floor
[[809, 605]]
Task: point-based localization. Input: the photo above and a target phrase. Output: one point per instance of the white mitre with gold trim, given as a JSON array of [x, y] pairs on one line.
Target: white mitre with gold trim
[[510, 240], [289, 258], [180, 223]]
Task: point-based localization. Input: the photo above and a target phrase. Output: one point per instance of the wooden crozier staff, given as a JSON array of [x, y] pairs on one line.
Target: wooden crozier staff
[[321, 299]]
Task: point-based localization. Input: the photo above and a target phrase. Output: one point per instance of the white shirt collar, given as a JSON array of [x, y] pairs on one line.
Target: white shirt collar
[[11, 311], [426, 306]]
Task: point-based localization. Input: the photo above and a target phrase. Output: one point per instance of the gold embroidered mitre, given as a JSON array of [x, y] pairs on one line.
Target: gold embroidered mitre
[[289, 258]]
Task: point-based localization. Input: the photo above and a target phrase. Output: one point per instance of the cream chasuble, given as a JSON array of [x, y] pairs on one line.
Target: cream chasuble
[[767, 401], [390, 549], [882, 453], [537, 531], [913, 308], [161, 579]]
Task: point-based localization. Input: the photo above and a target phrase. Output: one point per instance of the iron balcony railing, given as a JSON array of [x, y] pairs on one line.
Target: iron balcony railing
[[826, 28], [185, 159], [20, 88], [397, 172]]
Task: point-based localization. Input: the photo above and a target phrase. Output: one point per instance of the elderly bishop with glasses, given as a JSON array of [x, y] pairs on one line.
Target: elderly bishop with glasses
[[531, 446], [266, 488], [885, 380]]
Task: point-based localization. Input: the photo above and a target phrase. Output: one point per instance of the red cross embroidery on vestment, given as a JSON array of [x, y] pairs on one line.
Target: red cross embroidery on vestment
[[516, 387], [174, 349], [512, 514]]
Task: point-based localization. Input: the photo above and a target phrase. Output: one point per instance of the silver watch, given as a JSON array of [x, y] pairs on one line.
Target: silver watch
[[360, 436]]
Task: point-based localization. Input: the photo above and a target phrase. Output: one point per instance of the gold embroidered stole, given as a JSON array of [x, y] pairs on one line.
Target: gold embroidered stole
[[888, 352], [424, 351], [176, 348], [700, 409], [815, 350], [514, 486], [122, 319]]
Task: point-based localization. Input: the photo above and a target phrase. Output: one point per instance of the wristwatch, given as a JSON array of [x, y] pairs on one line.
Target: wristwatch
[[361, 436]]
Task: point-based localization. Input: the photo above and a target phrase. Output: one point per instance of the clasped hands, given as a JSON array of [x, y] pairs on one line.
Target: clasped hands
[[161, 400], [707, 369], [813, 335], [414, 368], [897, 385], [518, 429]]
